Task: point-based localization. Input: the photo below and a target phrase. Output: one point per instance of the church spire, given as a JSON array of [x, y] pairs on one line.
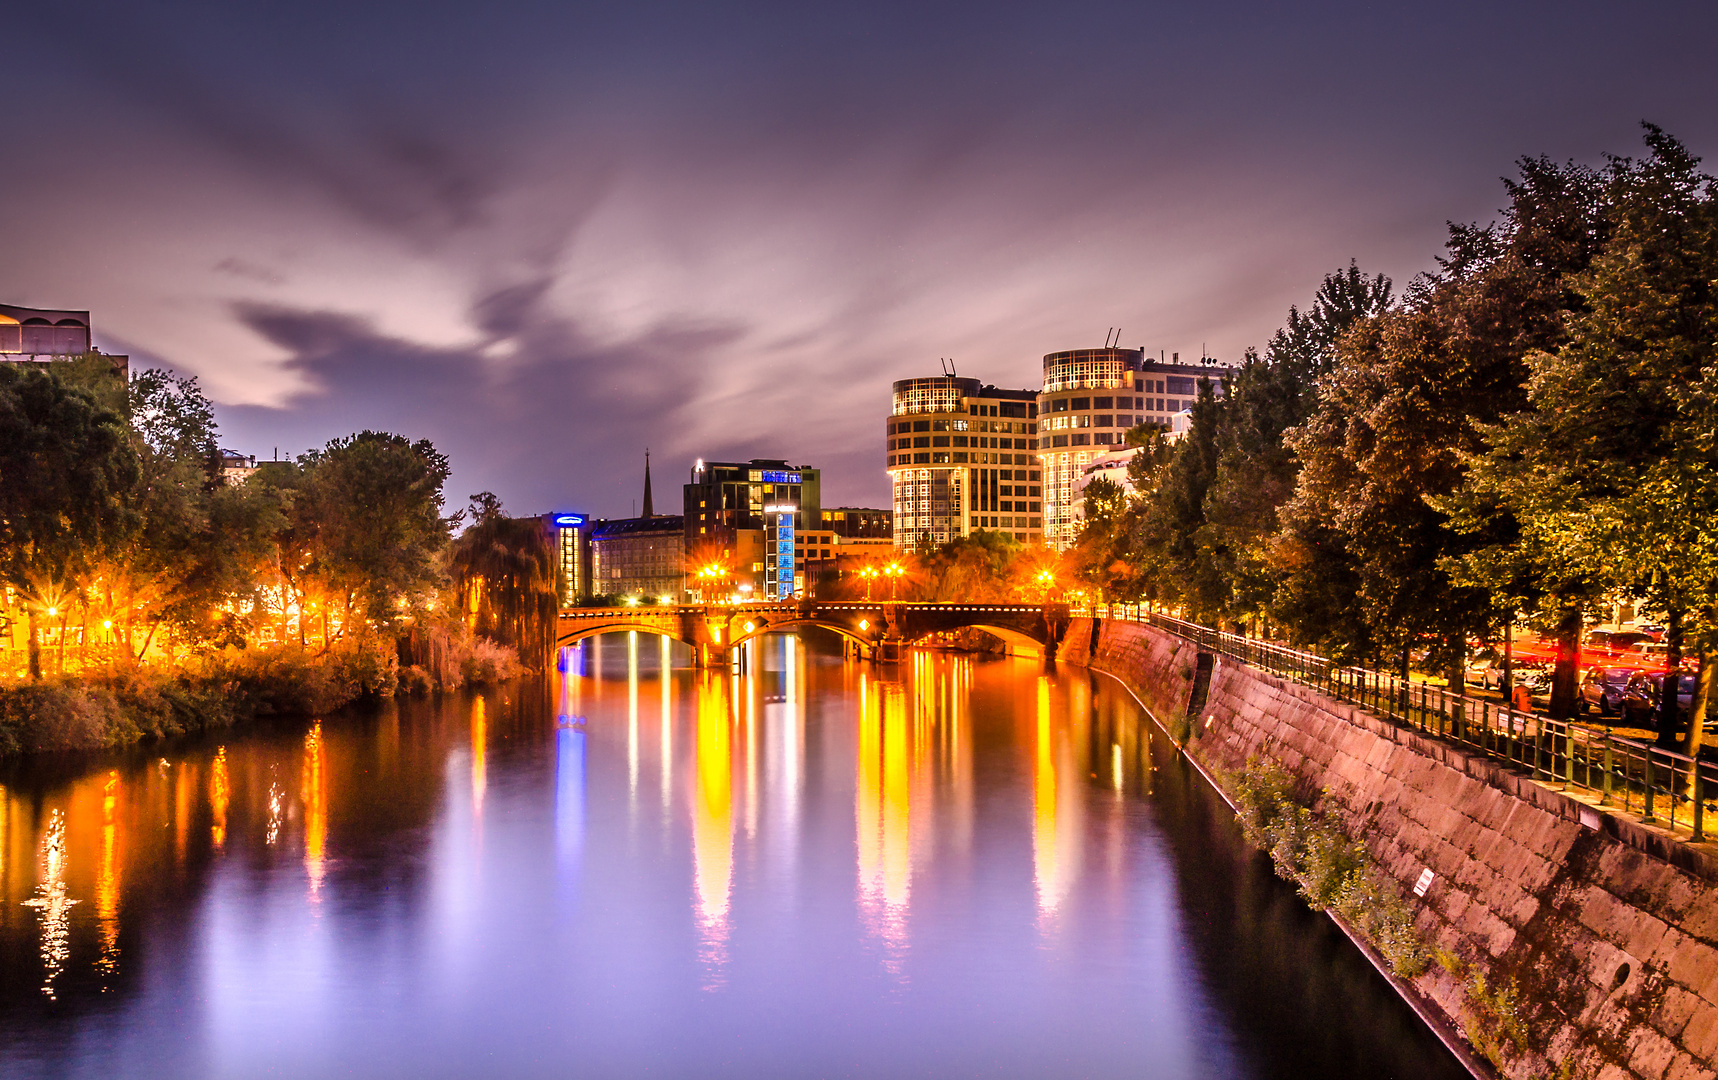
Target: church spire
[[649, 511]]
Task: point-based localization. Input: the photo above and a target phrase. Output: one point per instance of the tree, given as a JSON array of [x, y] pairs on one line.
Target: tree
[[67, 468], [1570, 492], [1256, 468], [376, 501], [1409, 401]]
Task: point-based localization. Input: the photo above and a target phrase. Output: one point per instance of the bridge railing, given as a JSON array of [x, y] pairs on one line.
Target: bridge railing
[[1666, 788]]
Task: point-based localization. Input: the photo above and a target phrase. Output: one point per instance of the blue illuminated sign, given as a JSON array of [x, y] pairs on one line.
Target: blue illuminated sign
[[569, 521], [772, 476]]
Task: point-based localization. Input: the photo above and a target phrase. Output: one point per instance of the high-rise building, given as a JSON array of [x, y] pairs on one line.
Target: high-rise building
[[963, 459], [746, 516], [1091, 398]]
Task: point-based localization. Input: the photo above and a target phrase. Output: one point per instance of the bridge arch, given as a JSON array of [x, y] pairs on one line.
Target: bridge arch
[[573, 637], [782, 626], [1015, 639]]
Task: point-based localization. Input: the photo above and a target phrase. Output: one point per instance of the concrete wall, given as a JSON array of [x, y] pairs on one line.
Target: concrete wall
[[1608, 929]]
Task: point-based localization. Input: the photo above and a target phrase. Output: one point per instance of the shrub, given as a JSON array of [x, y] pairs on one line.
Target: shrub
[[1332, 869]]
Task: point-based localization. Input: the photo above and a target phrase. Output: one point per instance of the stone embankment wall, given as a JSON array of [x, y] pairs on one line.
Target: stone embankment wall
[[1606, 930]]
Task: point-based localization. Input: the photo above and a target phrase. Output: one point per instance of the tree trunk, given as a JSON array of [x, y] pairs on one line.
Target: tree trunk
[[35, 648], [1697, 716], [1509, 658], [1563, 675], [1667, 694]]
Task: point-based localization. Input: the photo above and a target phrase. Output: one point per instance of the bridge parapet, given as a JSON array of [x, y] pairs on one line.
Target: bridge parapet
[[873, 629]]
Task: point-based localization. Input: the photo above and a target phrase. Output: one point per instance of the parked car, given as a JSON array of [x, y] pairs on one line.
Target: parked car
[[1486, 670], [1651, 652], [1641, 697], [1614, 642], [1603, 688]]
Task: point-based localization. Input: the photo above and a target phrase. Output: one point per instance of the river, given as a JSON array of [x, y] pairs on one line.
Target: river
[[951, 867]]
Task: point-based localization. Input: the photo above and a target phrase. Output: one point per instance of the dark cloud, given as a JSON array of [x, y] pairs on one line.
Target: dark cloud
[[563, 425]]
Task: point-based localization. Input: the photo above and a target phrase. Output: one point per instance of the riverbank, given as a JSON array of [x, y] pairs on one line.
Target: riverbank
[[219, 689], [1595, 935]]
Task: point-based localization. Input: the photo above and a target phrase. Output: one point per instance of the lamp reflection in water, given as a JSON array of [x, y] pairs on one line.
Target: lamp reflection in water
[[883, 816], [107, 882], [1054, 845], [313, 789], [632, 715], [479, 768], [52, 904], [713, 826], [220, 793]]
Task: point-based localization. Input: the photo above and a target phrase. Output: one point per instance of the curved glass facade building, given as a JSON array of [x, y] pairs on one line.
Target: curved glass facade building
[[1091, 398], [963, 458]]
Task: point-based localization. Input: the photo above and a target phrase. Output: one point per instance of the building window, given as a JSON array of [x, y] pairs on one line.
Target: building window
[[1058, 440], [1059, 405], [1105, 421], [939, 440], [1104, 403], [1080, 404], [1082, 440]]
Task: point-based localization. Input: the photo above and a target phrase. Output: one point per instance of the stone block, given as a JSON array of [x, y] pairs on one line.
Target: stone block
[[1650, 1053], [1677, 1009]]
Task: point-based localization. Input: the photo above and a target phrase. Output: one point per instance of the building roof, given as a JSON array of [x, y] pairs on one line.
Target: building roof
[[50, 316], [663, 524]]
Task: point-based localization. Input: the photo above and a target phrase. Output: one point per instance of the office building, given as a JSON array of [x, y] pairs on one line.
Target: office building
[[640, 558], [856, 522], [1091, 397], [747, 516], [962, 457], [571, 535]]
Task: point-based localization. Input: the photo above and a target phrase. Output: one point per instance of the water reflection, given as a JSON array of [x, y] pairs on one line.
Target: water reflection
[[1018, 874], [52, 904], [107, 881], [713, 826], [314, 795]]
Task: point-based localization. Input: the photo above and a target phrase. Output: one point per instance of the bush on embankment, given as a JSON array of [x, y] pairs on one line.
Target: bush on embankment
[[1333, 870], [227, 687]]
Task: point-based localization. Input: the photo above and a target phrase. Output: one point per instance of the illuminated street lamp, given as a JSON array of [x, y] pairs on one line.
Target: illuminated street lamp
[[893, 572], [869, 573]]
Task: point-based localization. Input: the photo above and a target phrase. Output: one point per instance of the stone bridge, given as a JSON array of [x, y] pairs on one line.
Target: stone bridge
[[873, 631]]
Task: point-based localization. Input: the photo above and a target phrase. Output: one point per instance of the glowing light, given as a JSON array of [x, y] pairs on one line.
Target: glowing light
[[1044, 853], [53, 611], [749, 628], [107, 624], [665, 600], [864, 624]]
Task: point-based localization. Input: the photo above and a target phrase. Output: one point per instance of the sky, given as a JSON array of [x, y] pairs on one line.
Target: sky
[[547, 236]]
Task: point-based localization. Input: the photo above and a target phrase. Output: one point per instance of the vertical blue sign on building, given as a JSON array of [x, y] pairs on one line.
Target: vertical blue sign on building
[[784, 556]]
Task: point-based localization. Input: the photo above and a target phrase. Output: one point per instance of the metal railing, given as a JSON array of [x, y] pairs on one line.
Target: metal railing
[[1666, 788]]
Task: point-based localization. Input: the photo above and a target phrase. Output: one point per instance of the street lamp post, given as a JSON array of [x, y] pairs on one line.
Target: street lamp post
[[869, 573], [894, 572]]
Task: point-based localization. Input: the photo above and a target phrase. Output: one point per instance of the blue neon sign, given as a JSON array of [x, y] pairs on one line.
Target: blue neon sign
[[569, 521], [772, 476]]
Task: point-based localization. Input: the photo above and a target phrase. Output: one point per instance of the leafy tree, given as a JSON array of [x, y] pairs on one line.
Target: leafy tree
[[1256, 468], [373, 501], [67, 468], [1413, 393]]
